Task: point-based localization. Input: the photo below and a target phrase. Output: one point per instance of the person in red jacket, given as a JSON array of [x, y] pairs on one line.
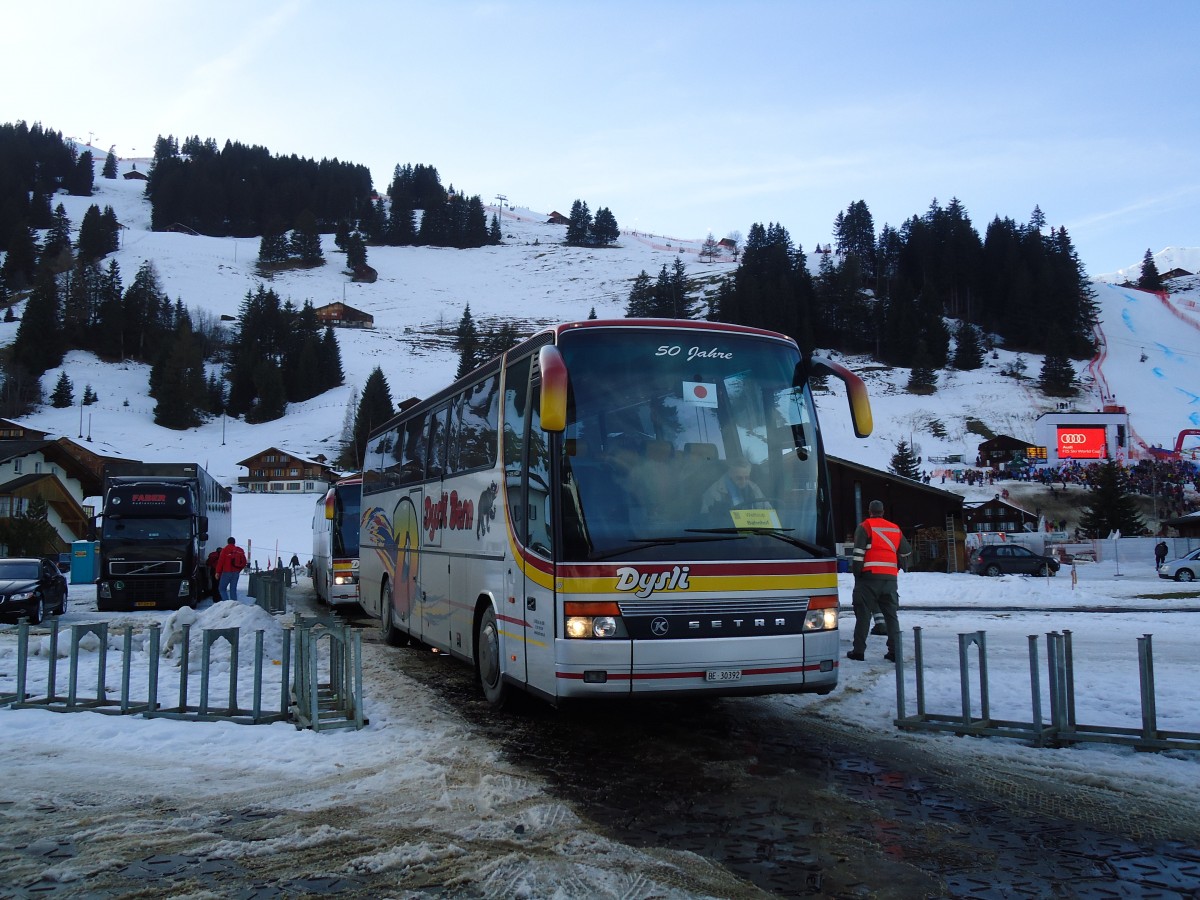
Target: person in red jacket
[[880, 550], [230, 562]]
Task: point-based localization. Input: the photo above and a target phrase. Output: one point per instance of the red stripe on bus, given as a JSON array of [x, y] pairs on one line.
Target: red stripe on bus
[[650, 676]]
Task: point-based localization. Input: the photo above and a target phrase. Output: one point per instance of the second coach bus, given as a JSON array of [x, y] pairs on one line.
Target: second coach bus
[[335, 543], [626, 508]]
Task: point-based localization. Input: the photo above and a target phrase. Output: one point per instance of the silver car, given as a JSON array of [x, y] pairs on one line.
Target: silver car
[[1186, 568]]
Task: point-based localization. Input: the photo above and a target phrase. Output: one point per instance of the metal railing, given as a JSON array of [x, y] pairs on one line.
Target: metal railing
[[319, 646], [1061, 729]]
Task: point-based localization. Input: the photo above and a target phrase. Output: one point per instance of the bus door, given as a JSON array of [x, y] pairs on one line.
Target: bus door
[[526, 617], [435, 568]]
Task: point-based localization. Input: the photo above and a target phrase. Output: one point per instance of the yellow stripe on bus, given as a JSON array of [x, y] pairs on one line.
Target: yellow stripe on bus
[[522, 638], [713, 583]]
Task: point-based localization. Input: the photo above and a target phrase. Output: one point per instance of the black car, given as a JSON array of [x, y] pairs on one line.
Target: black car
[[1010, 559], [31, 588]]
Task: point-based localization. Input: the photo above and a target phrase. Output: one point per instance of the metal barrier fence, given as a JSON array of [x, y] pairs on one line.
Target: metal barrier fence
[[303, 699], [268, 588], [1061, 729], [335, 703]]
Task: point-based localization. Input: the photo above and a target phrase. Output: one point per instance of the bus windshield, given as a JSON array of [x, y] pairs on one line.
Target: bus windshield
[[689, 438], [344, 537]]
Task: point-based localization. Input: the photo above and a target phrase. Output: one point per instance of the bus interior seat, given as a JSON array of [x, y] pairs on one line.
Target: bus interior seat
[[701, 467]]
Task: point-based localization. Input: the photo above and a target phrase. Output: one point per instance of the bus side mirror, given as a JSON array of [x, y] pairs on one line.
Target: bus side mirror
[[856, 393], [554, 389], [330, 504], [202, 527]]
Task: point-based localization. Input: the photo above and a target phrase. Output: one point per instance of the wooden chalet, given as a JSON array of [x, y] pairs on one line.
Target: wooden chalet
[[930, 517], [998, 515], [998, 452], [340, 314], [275, 471], [60, 472], [557, 218]]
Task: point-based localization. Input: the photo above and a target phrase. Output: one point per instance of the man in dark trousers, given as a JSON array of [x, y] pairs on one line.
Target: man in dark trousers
[[879, 552]]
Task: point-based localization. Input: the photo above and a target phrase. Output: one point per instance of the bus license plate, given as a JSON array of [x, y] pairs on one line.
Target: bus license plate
[[144, 603], [723, 675]]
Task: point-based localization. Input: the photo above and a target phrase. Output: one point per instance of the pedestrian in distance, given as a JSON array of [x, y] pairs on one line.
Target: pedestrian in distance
[[880, 550], [1160, 553], [230, 562]]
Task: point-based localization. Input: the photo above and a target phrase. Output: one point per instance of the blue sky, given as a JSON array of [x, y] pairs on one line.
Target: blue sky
[[682, 118]]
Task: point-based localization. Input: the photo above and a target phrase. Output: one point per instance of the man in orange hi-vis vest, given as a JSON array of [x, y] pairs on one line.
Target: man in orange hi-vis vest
[[879, 552]]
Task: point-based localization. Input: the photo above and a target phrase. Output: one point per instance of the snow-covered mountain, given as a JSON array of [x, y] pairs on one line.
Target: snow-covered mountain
[[1148, 361]]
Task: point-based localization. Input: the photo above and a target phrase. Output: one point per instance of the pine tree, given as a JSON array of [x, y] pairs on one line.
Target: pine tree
[[605, 230], [1149, 280], [494, 236], [904, 462], [1057, 378], [1111, 506], [179, 383], [63, 395], [579, 225], [81, 179], [640, 304], [923, 379], [330, 355], [30, 533], [466, 342], [709, 250], [89, 396], [94, 242], [968, 353], [110, 166], [39, 343], [271, 402], [374, 408], [273, 247], [305, 242], [56, 250], [20, 262]]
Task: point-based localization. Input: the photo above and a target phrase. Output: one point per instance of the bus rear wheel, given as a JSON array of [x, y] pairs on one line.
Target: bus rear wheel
[[487, 661], [387, 618]]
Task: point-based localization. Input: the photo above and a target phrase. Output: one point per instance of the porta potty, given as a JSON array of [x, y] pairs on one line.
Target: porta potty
[[85, 562]]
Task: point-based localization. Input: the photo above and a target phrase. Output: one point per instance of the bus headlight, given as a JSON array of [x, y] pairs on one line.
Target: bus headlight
[[593, 620], [822, 614], [345, 579]]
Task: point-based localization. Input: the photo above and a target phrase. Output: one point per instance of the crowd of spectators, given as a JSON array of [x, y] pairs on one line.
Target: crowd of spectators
[[1175, 482]]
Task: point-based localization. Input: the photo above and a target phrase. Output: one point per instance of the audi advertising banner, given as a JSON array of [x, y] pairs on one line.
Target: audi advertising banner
[[1082, 442]]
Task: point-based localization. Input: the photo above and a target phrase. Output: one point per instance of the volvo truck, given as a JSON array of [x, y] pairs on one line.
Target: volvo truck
[[157, 525]]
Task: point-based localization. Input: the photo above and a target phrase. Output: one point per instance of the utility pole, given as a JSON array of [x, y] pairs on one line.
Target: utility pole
[[500, 201]]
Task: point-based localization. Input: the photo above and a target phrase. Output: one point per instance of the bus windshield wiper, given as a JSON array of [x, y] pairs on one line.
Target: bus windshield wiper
[[639, 542], [780, 533]]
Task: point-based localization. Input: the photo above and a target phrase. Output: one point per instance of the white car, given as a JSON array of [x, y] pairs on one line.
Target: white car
[[1186, 568]]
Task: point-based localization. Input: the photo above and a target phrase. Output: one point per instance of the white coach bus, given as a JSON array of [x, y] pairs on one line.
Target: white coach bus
[[626, 508]]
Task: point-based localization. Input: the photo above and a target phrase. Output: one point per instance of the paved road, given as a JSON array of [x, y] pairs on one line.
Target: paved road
[[806, 808]]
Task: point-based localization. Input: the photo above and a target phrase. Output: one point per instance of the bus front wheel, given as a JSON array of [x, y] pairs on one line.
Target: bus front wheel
[[387, 618], [487, 661]]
